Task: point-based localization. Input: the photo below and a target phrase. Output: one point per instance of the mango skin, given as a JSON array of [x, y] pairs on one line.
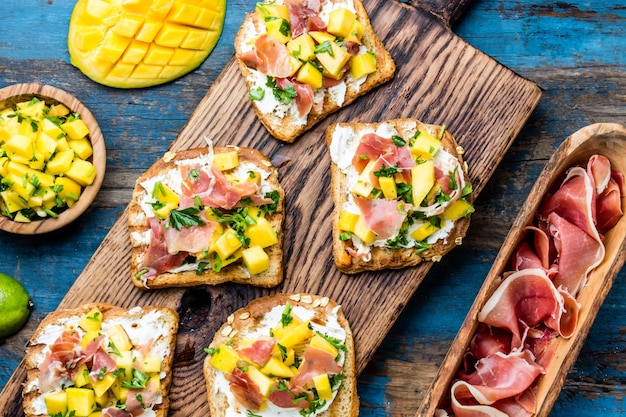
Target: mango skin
[[105, 38]]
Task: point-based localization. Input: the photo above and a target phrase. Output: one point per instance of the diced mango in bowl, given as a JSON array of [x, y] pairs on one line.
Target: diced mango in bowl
[[44, 164], [142, 43]]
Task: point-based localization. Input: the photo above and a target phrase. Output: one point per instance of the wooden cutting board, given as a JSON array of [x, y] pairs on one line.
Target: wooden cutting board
[[440, 79]]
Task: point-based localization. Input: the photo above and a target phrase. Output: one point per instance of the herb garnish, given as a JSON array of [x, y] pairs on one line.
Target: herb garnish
[[187, 217]]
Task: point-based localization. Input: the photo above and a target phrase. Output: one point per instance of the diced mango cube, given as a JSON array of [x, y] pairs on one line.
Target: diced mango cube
[[62, 144], [58, 110], [321, 37], [278, 29], [321, 343], [51, 129], [333, 59], [224, 358], [60, 162], [167, 198], [4, 166], [88, 337], [362, 65], [81, 147], [81, 376], [302, 47], [45, 145], [226, 160], [269, 10], [424, 146], [23, 173], [299, 334], [424, 231], [171, 35], [232, 258], [149, 363], [280, 331], [459, 208], [422, 180], [148, 31], [33, 108], [340, 22], [92, 321], [67, 189], [262, 233], [363, 185], [56, 403], [347, 221], [261, 380], [356, 33], [388, 187], [124, 363], [310, 75], [102, 385], [275, 367], [83, 172], [13, 201], [76, 129], [81, 401], [21, 146], [20, 218], [363, 232], [256, 260], [128, 25], [227, 244], [322, 386], [119, 337]]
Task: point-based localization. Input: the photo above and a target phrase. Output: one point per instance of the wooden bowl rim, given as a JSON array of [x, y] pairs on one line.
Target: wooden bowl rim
[[54, 95], [576, 149]]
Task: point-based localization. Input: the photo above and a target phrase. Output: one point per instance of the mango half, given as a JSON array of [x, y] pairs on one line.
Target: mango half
[[142, 43]]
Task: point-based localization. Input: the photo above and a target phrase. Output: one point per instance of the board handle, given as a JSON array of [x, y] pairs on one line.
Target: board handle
[[448, 11]]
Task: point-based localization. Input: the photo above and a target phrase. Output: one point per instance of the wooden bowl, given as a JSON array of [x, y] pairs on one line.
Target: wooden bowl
[[603, 138], [11, 95]]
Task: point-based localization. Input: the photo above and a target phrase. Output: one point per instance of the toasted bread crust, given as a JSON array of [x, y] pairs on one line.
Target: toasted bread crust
[[346, 403], [34, 350], [383, 257], [231, 273], [284, 128]]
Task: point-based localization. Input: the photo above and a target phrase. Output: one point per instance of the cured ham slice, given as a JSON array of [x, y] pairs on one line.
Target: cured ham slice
[[303, 16], [158, 259], [223, 193], [260, 351], [270, 57], [193, 239], [244, 389], [578, 253], [599, 169], [372, 146], [316, 362], [524, 299], [304, 94], [383, 217], [609, 203]]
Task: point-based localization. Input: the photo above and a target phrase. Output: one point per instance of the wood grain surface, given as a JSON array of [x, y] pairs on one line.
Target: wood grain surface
[[483, 104]]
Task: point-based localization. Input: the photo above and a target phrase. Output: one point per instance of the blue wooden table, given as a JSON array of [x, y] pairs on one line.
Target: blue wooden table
[[573, 50]]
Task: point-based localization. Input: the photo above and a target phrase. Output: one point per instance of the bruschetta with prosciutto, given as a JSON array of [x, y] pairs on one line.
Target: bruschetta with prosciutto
[[207, 216], [288, 354], [401, 193], [101, 360], [304, 59]]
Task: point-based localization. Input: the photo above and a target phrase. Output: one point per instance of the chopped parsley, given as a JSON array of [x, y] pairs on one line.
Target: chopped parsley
[[283, 95], [387, 172], [324, 47], [187, 217], [286, 318], [138, 381], [256, 93], [270, 208], [398, 141]]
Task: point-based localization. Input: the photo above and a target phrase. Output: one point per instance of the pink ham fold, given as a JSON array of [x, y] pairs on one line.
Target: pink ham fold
[[383, 217]]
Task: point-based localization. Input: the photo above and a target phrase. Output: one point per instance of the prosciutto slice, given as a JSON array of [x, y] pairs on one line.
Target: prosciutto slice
[[372, 147], [157, 258], [383, 217], [304, 94], [303, 16], [260, 351], [269, 56], [244, 389], [524, 299], [316, 362], [609, 203]]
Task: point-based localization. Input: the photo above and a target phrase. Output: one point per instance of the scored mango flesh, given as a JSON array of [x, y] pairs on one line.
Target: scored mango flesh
[[142, 43]]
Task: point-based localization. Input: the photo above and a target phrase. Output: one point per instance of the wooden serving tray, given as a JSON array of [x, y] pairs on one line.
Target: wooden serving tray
[[602, 138], [440, 79]]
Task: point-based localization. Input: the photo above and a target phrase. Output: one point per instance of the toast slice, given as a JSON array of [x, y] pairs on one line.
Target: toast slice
[[292, 82], [377, 170], [296, 324], [236, 206], [99, 355]]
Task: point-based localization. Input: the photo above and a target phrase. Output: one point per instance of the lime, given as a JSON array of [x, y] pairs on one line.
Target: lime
[[142, 43], [15, 306]]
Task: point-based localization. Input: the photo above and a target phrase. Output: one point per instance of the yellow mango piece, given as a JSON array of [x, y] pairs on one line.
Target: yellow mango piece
[[422, 180], [102, 384], [4, 166], [51, 129], [20, 145], [119, 337], [112, 42], [167, 198], [302, 47], [224, 358], [334, 60], [12, 201], [56, 403], [83, 172], [356, 33], [68, 190], [424, 146], [269, 10], [458, 209], [261, 234], [280, 331], [321, 343], [81, 147], [119, 392], [256, 260], [388, 187], [45, 145], [76, 129], [149, 363], [60, 162], [363, 232], [299, 334], [321, 37], [363, 185], [20, 173], [58, 110], [290, 355], [275, 367], [424, 231], [278, 29], [81, 376], [226, 160], [227, 244], [310, 75], [347, 221], [340, 22], [92, 321], [81, 401], [62, 144], [322, 385], [33, 108], [20, 218], [124, 363], [261, 380], [362, 65], [88, 337]]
